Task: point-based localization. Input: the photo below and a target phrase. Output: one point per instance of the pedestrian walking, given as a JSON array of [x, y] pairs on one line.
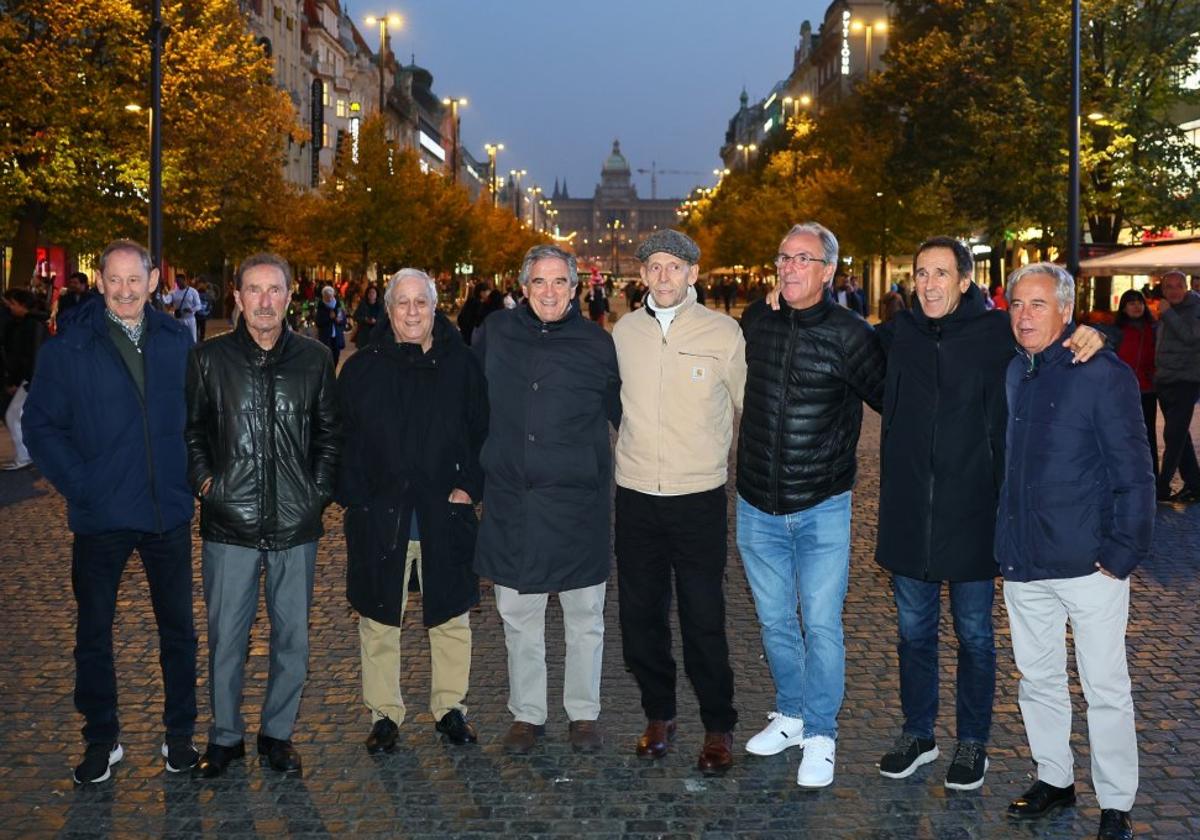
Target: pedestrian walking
[[414, 412], [330, 319], [367, 315], [1177, 384], [553, 387], [1138, 334], [105, 426], [23, 335], [263, 440]]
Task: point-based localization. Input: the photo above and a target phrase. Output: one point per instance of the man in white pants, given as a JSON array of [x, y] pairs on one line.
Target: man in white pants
[[1076, 516]]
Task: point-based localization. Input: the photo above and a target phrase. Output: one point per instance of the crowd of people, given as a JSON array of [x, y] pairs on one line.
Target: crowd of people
[[1036, 466]]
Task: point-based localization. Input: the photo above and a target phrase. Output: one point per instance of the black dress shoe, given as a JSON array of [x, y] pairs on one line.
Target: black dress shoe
[[456, 729], [1115, 825], [216, 759], [383, 737], [1041, 798], [279, 755]]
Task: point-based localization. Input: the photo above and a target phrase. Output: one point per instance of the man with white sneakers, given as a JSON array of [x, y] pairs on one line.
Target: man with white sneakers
[[811, 365]]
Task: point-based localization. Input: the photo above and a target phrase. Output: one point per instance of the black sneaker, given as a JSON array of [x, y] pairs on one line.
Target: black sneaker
[[180, 753], [968, 766], [908, 753], [98, 760]]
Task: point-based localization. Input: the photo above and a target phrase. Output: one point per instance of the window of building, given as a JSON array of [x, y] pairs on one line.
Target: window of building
[[291, 23], [341, 107], [325, 96], [278, 13], [324, 135]]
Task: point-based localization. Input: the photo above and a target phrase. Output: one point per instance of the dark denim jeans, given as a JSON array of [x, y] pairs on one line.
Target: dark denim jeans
[[918, 607], [97, 563]]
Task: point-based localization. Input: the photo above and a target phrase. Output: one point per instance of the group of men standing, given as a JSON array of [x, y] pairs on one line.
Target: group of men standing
[[1024, 466]]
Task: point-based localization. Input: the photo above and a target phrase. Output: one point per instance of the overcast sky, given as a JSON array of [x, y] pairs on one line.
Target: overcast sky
[[557, 80]]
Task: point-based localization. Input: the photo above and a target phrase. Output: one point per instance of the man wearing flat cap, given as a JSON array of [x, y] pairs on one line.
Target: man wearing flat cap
[[683, 372]]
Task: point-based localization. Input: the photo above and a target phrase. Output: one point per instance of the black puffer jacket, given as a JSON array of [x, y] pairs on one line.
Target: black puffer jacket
[[808, 373], [263, 425], [944, 419], [553, 388], [414, 424]]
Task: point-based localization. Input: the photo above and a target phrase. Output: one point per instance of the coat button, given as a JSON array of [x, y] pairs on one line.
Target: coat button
[[535, 386], [532, 438]]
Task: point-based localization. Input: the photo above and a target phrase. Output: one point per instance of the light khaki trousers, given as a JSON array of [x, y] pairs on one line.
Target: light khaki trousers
[[524, 617], [450, 654], [1098, 610]]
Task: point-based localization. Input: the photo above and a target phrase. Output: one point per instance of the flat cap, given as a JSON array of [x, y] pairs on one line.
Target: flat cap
[[669, 242]]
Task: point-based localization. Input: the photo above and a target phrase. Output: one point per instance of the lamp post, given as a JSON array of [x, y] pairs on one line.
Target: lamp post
[[517, 175], [395, 21], [534, 192], [492, 150], [614, 232], [455, 103], [879, 26], [1073, 151], [746, 149], [157, 34]]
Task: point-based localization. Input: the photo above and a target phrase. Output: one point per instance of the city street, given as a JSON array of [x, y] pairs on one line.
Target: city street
[[428, 789]]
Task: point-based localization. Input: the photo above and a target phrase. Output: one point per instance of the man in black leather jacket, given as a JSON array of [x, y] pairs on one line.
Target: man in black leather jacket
[[263, 436], [810, 367]]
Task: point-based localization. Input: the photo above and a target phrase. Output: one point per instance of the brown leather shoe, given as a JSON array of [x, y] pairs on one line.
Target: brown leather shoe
[[522, 737], [656, 740], [584, 736], [716, 756]]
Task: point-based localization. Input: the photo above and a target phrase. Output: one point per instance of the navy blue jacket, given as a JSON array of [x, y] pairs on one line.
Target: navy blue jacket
[[1078, 486], [117, 457]]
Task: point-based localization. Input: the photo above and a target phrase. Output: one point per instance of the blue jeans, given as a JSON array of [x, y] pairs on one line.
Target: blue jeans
[[801, 558], [918, 604]]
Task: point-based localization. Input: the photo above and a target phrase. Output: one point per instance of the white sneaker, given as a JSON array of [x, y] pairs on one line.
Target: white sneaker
[[816, 768], [782, 732]]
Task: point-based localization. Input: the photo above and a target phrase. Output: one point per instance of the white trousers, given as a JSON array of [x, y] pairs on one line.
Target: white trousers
[[1098, 608], [12, 419], [524, 617]]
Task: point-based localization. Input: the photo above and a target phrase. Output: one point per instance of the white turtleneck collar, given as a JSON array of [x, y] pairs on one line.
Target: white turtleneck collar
[[666, 315]]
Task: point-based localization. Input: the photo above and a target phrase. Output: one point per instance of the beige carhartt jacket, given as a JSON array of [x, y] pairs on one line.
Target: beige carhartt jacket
[[678, 396]]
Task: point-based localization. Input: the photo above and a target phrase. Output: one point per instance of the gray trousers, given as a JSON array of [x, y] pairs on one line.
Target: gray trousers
[[1097, 608], [524, 618], [231, 575]]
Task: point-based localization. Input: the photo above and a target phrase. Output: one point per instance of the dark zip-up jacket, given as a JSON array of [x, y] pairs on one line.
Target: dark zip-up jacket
[[263, 424], [808, 373], [414, 425], [942, 453], [1078, 487], [117, 457], [553, 389]]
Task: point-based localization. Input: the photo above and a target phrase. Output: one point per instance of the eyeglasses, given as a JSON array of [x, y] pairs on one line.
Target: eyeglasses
[[802, 260]]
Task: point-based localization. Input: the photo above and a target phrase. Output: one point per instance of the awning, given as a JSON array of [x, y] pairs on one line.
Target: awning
[[1148, 259]]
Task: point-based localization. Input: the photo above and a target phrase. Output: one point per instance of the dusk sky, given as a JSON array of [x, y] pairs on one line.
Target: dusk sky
[[557, 80]]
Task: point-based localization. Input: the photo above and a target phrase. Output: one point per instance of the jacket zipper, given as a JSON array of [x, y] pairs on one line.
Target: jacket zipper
[[661, 353], [777, 448], [145, 421], [937, 394]]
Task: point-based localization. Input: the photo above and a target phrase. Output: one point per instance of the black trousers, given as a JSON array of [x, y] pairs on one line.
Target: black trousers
[[655, 536], [1178, 401], [1150, 415]]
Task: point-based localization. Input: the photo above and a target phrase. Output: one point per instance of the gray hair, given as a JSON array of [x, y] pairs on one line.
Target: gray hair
[[1064, 283], [127, 245], [545, 252], [394, 281], [264, 258], [829, 243]]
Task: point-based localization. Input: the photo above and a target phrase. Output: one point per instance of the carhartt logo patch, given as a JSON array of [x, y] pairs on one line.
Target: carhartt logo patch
[[698, 374]]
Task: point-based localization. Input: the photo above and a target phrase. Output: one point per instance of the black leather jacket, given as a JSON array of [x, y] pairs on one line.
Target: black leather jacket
[[808, 372], [263, 425]]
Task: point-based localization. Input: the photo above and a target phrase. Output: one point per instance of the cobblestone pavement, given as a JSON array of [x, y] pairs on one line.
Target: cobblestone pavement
[[428, 789]]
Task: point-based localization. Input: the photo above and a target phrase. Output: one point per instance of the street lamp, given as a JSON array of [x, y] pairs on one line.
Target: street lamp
[[534, 192], [454, 103], [395, 21], [614, 235], [879, 26], [492, 150], [517, 175], [746, 149], [156, 34]]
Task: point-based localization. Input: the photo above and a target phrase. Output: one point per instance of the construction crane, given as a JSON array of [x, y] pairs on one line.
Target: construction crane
[[654, 171]]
